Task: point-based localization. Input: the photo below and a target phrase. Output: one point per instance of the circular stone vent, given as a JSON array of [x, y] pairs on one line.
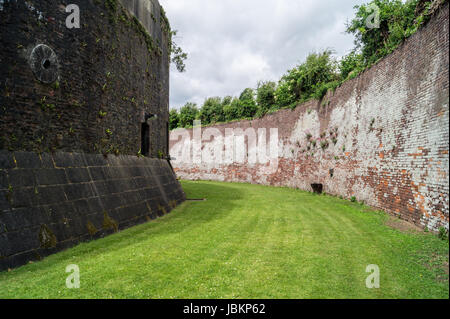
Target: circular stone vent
[[44, 63]]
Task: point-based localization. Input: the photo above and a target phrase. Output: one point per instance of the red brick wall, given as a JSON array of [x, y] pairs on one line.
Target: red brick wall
[[387, 131]]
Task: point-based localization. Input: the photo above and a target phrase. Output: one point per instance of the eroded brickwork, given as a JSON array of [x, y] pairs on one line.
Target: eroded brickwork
[[382, 137]]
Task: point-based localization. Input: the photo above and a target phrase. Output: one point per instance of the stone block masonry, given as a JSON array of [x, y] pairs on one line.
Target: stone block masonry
[[77, 107], [49, 202], [382, 137], [105, 74]]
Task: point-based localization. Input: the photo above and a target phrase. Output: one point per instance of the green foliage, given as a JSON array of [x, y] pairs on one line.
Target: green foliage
[[111, 5], [265, 96], [397, 21], [233, 110], [321, 72], [178, 56], [283, 96], [46, 106], [227, 101], [212, 111], [188, 114], [248, 103], [353, 199], [308, 80], [443, 233], [174, 119], [324, 144], [351, 65]]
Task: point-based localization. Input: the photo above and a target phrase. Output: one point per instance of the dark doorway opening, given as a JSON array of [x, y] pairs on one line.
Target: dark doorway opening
[[317, 188], [145, 139]]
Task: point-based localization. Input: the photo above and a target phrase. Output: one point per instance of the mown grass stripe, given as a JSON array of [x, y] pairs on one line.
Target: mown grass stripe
[[246, 241]]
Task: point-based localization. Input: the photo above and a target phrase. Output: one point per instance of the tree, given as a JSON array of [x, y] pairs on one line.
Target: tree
[[227, 101], [212, 111], [233, 111], [247, 103], [176, 54], [351, 64], [174, 119], [312, 79], [265, 96], [308, 80], [283, 95], [188, 113]]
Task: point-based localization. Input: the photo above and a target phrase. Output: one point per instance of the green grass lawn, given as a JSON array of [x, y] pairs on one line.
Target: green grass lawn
[[246, 241]]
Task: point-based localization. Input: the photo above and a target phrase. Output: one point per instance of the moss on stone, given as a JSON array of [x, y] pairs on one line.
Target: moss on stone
[[162, 209], [109, 223], [91, 228], [46, 237]]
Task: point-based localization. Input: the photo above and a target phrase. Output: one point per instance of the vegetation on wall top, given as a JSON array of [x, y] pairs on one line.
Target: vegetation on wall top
[[321, 71], [176, 53]]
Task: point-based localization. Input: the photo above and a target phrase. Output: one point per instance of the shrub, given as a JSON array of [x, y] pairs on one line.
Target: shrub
[[283, 96], [212, 111], [232, 111], [265, 97], [309, 79], [248, 103], [398, 21], [443, 233], [351, 65], [174, 119], [188, 113]]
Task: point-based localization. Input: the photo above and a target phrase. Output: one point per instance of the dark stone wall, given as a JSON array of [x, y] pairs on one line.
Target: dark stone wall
[[108, 72], [72, 104], [50, 202]]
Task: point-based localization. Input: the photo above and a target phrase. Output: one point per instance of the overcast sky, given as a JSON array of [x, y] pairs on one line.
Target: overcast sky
[[232, 44]]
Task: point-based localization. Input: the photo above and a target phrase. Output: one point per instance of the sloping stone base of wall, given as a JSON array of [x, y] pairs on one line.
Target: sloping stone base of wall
[[49, 202]]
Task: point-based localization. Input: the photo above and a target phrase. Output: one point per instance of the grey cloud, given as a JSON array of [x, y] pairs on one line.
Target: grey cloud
[[232, 44]]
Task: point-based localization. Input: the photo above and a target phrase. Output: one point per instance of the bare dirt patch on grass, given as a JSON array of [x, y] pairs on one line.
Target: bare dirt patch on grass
[[403, 225]]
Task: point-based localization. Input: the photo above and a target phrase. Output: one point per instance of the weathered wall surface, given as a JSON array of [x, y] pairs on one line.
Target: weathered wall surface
[[66, 108], [108, 72], [382, 137], [52, 202]]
